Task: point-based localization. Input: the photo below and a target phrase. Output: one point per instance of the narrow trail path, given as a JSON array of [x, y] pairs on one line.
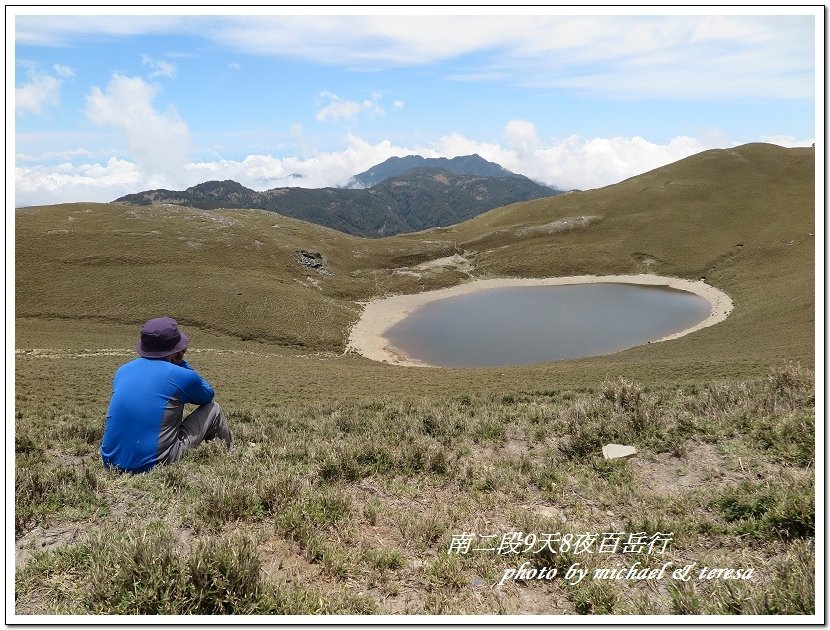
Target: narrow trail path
[[66, 353]]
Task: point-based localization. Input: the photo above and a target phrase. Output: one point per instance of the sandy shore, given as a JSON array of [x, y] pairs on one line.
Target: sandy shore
[[366, 336]]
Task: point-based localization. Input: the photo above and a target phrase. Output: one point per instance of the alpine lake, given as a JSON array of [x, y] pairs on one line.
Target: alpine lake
[[536, 324]]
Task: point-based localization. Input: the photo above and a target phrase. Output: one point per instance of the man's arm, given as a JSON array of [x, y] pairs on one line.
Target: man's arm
[[196, 390]]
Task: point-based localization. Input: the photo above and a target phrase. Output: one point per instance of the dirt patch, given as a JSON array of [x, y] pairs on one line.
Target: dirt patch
[[533, 598], [560, 225], [282, 561], [42, 539], [457, 262], [667, 475], [449, 261]]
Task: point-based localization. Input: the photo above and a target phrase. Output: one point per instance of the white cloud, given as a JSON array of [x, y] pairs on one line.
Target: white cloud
[[341, 109], [398, 104], [234, 66], [61, 156], [337, 108], [41, 90], [262, 172], [159, 141], [62, 30], [586, 163], [521, 137], [787, 141], [625, 56], [160, 68], [670, 57], [39, 185], [64, 71], [574, 162]]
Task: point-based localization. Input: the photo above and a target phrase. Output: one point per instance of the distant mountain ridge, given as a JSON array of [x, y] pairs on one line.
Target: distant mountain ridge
[[461, 165], [411, 200]]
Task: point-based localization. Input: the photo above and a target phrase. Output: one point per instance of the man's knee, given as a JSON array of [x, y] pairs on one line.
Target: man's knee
[[220, 424], [212, 408], [212, 413]]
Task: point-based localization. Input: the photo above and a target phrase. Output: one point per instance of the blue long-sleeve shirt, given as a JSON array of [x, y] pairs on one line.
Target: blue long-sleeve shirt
[[145, 412]]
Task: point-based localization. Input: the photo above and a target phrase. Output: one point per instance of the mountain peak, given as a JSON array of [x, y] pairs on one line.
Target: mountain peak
[[225, 186], [460, 165]]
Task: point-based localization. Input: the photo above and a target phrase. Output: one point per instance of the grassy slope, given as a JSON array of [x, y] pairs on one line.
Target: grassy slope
[[269, 334]]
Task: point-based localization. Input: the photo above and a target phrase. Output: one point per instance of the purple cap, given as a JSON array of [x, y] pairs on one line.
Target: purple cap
[[161, 337]]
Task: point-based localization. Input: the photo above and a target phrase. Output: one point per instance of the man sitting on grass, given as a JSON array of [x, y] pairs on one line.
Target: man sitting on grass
[[144, 421]]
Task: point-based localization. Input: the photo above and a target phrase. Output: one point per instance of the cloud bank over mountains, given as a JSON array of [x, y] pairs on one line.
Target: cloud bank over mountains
[[569, 163]]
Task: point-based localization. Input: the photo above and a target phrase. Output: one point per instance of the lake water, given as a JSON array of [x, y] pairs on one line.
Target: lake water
[[522, 325]]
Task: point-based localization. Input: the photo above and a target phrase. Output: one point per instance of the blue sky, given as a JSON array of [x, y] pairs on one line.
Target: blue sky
[[108, 105]]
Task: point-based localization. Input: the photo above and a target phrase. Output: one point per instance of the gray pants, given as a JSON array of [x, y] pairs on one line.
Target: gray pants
[[206, 422]]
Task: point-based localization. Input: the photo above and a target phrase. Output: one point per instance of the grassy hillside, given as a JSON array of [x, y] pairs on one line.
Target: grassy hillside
[[743, 219], [350, 478]]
